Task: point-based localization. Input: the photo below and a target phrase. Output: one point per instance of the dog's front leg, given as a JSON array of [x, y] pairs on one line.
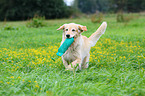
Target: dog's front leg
[[74, 64], [65, 63]]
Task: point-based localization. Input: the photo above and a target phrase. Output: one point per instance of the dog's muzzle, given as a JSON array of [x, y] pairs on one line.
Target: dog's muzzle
[[67, 35]]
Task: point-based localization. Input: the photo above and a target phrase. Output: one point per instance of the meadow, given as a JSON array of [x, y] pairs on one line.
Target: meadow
[[116, 67]]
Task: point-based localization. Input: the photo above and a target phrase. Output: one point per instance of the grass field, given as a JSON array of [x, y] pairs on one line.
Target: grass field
[[117, 62]]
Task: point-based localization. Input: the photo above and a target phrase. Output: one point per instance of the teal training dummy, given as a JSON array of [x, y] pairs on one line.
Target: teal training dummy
[[65, 46], [62, 49]]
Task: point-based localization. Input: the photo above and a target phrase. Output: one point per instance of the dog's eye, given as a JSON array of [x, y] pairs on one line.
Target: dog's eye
[[66, 29], [73, 30]]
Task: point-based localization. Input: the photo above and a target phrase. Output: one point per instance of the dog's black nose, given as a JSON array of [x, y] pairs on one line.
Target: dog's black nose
[[67, 35]]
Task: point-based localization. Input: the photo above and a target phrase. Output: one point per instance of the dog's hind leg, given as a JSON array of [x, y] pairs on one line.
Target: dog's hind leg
[[85, 63]]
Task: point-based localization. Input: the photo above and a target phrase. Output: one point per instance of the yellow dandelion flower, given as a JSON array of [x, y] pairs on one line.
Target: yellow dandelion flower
[[133, 88], [37, 86], [1, 81], [8, 82], [44, 59], [19, 77], [29, 81], [107, 79], [23, 80], [12, 77], [35, 81]]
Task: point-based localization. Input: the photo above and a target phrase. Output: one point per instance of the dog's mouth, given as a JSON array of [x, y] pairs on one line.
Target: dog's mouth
[[69, 36]]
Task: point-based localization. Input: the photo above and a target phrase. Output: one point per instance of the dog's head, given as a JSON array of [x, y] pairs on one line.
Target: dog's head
[[72, 30]]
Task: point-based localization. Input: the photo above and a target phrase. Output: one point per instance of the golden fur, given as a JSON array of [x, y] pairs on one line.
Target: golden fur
[[78, 52]]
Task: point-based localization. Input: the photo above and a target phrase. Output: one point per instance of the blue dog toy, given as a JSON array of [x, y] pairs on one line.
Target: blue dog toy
[[62, 49], [66, 44]]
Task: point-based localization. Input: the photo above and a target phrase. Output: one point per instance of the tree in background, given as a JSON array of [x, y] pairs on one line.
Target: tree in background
[[128, 5], [90, 6], [103, 5], [135, 5], [24, 9], [87, 6]]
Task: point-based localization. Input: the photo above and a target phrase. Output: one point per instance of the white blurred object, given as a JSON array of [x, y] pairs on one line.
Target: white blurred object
[[69, 2]]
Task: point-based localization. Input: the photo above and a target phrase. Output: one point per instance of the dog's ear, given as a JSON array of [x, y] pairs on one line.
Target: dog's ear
[[82, 28], [61, 27]]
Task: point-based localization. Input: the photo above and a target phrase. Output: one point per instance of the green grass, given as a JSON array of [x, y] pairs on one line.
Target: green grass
[[117, 62]]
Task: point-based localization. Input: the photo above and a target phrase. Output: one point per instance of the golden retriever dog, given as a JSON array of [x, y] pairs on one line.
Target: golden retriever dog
[[77, 55]]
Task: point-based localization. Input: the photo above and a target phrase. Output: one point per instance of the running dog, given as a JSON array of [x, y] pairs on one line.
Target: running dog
[[79, 51]]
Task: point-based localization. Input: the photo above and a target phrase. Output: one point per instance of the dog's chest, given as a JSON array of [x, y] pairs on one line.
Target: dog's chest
[[72, 53]]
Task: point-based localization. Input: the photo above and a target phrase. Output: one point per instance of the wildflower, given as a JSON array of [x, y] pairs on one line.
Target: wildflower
[[19, 77], [35, 81], [8, 82], [29, 81], [23, 80], [12, 77], [44, 59], [1, 81], [133, 88], [37, 86], [107, 79]]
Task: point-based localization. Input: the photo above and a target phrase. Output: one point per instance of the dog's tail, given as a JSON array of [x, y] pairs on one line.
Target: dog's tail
[[95, 36]]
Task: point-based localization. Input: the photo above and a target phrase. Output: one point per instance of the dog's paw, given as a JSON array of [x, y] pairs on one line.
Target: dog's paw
[[69, 68]]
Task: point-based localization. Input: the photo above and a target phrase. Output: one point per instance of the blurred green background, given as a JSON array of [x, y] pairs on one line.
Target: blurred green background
[[52, 9]]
